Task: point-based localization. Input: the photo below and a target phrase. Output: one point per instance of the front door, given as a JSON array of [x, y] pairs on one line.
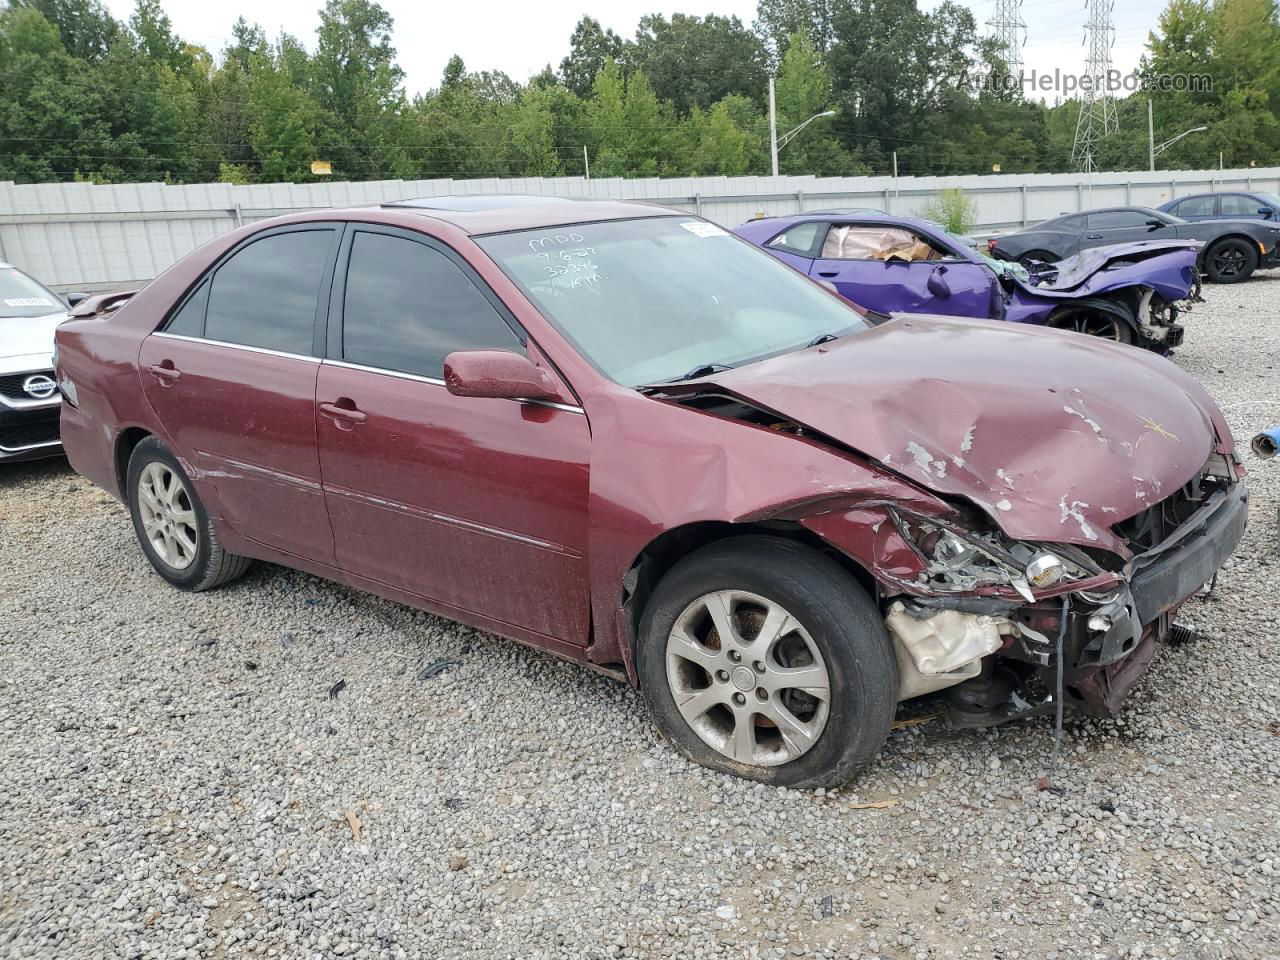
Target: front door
[[232, 379], [891, 269], [1124, 226], [476, 504]]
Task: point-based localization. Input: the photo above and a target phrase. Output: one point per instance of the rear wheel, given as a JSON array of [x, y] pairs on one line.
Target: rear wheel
[[763, 658], [1093, 323], [172, 525], [1230, 261]]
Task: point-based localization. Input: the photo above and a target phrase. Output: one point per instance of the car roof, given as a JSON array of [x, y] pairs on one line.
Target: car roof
[[498, 213]]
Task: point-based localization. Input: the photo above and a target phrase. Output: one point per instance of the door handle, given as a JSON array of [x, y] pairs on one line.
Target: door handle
[[165, 372], [828, 273], [1093, 236], [343, 411]]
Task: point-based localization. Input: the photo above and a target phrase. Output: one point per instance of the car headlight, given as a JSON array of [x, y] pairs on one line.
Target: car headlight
[[960, 561]]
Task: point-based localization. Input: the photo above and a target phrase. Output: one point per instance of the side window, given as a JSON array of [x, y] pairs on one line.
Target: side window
[[1196, 207], [189, 321], [266, 294], [799, 239], [408, 306], [1238, 205], [876, 243], [1116, 219]]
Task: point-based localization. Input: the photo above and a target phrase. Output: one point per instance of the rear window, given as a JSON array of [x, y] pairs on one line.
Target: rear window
[[266, 294], [20, 296]]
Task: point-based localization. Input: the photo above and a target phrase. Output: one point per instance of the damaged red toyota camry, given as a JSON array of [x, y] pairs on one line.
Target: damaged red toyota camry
[[623, 435]]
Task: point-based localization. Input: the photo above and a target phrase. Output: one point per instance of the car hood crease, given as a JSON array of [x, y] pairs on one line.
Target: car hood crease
[[1056, 436]]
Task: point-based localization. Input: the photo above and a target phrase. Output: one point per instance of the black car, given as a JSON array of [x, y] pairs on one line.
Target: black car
[[1233, 249], [1225, 206]]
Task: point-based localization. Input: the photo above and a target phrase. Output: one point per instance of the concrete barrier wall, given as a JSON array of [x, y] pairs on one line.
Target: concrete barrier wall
[[93, 237]]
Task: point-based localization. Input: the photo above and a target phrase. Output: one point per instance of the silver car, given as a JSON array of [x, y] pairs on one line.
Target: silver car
[[29, 397]]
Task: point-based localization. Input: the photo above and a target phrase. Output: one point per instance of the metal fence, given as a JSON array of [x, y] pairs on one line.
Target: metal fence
[[92, 237]]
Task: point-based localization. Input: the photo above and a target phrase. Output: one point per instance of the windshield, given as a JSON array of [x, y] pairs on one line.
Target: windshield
[[1271, 198], [654, 299], [20, 296]]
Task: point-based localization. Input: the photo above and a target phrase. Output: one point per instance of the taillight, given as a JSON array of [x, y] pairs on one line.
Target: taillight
[[991, 244]]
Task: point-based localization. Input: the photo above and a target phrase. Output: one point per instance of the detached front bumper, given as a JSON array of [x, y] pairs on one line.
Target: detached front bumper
[[1110, 637]]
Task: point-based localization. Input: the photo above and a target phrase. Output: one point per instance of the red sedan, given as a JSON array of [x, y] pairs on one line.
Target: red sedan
[[620, 434]]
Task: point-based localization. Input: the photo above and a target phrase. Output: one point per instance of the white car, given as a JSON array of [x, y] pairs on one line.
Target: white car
[[29, 397]]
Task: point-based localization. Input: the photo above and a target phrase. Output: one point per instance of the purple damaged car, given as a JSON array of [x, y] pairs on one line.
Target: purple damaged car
[[1130, 293]]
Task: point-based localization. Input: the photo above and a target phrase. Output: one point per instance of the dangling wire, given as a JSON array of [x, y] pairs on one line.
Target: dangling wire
[[1057, 695]]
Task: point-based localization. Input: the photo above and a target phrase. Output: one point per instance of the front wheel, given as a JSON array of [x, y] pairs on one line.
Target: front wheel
[[763, 658], [172, 525], [1093, 323], [1230, 261]]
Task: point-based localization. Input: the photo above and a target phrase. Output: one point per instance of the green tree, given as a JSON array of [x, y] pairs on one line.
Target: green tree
[[696, 61], [85, 27], [590, 47]]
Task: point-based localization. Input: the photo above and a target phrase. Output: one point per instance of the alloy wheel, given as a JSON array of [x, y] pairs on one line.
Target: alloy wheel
[[1091, 323], [748, 678], [1229, 261], [168, 517]]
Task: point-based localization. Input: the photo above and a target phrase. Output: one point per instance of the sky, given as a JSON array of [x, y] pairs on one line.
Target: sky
[[519, 37]]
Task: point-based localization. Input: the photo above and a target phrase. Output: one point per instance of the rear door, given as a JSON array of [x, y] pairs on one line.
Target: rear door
[[231, 377], [889, 268], [477, 504]]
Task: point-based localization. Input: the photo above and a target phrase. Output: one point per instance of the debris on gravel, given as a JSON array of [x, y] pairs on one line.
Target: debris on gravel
[[261, 771]]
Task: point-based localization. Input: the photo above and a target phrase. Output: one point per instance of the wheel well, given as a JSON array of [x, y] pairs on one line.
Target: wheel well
[[1243, 238], [128, 439], [666, 550]]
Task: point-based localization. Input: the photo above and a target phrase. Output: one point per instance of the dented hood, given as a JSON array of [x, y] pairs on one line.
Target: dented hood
[[1055, 435]]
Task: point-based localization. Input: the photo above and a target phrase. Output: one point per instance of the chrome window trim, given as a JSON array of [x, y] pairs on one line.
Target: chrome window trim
[[437, 382], [265, 351]]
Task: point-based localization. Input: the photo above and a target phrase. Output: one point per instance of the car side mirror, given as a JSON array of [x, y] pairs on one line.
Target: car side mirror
[[1265, 213], [75, 298], [498, 374], [1155, 224], [937, 283]]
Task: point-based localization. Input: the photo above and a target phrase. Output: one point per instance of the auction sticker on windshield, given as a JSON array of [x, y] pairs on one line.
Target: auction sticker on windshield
[[28, 302], [700, 228]]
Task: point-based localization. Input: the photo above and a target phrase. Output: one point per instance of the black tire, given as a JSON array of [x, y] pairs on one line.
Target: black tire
[[1230, 260], [837, 615], [210, 566], [1043, 256]]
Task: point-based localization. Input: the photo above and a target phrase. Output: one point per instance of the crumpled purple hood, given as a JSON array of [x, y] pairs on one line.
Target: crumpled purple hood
[[1056, 435], [1075, 271]]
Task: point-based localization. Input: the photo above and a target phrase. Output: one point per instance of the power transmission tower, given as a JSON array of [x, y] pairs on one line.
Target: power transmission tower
[[1009, 31], [1097, 106]]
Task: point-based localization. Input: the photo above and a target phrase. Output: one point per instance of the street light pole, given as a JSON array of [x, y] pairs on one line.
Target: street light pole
[[1151, 137], [773, 128], [1156, 151]]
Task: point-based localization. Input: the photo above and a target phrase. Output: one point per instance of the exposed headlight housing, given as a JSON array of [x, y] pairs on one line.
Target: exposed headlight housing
[[959, 561], [1045, 569]]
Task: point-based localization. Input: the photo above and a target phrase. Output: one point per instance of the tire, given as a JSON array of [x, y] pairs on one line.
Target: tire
[[177, 521], [830, 614], [1230, 260], [1043, 256], [1092, 323]]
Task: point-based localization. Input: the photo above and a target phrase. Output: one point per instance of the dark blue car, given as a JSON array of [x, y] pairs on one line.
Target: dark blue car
[[1225, 206]]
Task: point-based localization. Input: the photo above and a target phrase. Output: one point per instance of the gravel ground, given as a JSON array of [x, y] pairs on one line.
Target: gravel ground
[[259, 771]]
